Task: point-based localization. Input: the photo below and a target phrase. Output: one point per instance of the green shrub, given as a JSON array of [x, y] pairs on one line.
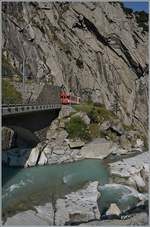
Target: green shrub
[[100, 114], [84, 107], [76, 128], [142, 20], [94, 115], [9, 94], [125, 9]]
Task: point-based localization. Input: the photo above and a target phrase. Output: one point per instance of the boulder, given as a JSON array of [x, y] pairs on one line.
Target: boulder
[[79, 206], [61, 136], [16, 157], [105, 125], [123, 196], [141, 186], [145, 172], [43, 159], [33, 157], [114, 125], [58, 135], [113, 210], [76, 144], [7, 138], [124, 142], [117, 126], [131, 171], [98, 148]]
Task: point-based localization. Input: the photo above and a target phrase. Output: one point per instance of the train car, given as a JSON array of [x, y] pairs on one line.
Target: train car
[[67, 99]]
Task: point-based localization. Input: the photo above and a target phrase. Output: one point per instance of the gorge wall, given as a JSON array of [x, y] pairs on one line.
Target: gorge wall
[[94, 49]]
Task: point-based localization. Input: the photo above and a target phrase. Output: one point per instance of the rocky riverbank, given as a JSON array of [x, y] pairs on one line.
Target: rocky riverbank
[[91, 204], [122, 198], [113, 139]]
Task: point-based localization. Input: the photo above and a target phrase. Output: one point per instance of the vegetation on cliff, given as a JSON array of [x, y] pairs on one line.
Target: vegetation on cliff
[[7, 68], [9, 94], [77, 128], [141, 17], [142, 20]]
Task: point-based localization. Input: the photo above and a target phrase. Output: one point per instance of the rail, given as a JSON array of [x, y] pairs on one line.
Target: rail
[[17, 109]]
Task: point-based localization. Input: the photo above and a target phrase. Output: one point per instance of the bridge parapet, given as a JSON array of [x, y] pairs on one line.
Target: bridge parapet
[[18, 109]]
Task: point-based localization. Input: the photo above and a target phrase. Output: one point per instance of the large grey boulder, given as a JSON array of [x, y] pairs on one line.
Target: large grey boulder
[[117, 126], [114, 125], [33, 157], [75, 144], [77, 207], [98, 148], [124, 196]]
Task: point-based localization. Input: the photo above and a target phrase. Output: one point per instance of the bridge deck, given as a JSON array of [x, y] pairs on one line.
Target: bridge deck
[[18, 109]]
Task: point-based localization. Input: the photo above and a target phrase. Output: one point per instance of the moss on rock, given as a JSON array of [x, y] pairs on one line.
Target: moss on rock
[[9, 94]]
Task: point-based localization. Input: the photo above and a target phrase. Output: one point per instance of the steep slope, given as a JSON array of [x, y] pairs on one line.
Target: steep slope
[[94, 49]]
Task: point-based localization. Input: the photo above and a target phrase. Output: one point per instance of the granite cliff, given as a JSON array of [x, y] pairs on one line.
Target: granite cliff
[[95, 49]]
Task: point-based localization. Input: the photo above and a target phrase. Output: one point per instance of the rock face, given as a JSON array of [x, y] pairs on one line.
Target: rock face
[[78, 207], [7, 138], [132, 171], [92, 48]]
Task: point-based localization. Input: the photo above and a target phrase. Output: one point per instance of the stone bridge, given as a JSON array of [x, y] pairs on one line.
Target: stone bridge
[[32, 117]]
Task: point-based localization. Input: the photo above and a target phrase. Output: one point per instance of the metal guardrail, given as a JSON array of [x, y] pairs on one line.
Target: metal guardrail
[[17, 109]]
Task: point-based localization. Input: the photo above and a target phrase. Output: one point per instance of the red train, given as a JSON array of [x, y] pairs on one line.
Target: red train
[[67, 99]]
